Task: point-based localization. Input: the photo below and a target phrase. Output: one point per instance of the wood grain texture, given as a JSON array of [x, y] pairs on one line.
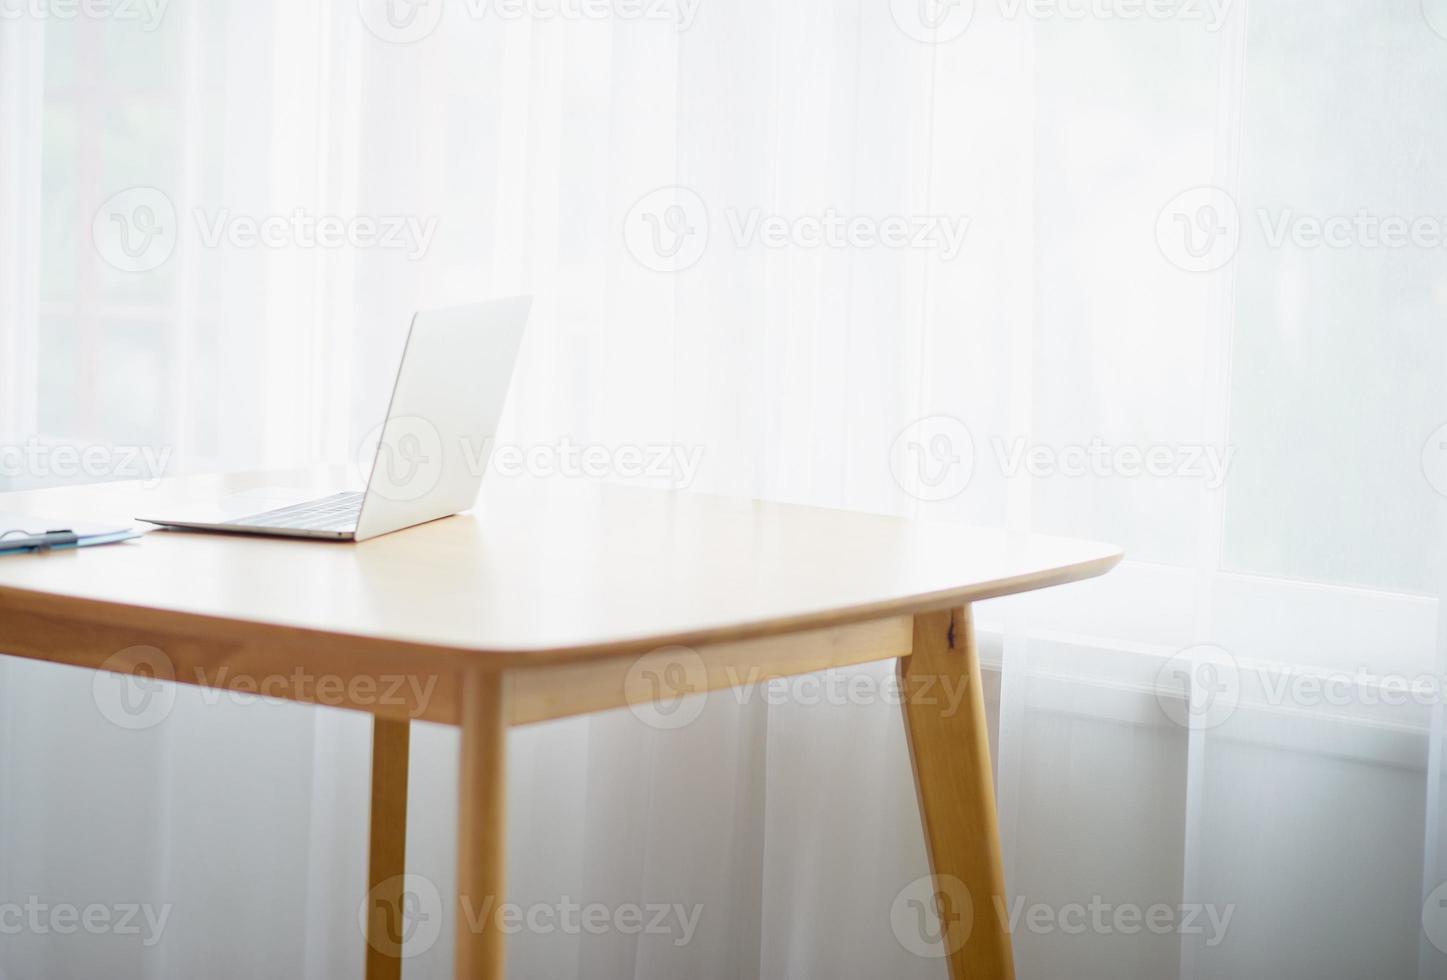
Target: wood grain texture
[[387, 851], [635, 569], [482, 827], [950, 752]]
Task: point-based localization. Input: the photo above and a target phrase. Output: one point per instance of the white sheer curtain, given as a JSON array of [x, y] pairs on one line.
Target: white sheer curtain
[[1136, 281]]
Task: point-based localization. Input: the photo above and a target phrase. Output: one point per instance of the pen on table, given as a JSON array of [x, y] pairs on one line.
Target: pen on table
[[42, 542]]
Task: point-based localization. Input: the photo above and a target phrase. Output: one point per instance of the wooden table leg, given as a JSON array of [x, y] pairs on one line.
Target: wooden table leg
[[387, 856], [944, 718], [481, 830]]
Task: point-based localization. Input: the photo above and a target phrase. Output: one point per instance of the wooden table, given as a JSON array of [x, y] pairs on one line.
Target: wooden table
[[551, 600]]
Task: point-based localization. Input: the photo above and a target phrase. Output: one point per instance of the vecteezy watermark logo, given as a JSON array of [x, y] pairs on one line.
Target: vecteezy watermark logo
[[938, 21], [1211, 13], [135, 230], [666, 688], [571, 918], [412, 692], [135, 688], [1200, 687], [668, 463], [833, 229], [1363, 228], [1434, 917], [1098, 458], [1101, 918], [847, 688], [1315, 688], [400, 21], [69, 461], [146, 12], [932, 21], [1434, 459], [679, 13], [933, 916], [933, 459], [299, 229], [1199, 230], [410, 461], [666, 230], [408, 21], [38, 918], [402, 916], [1434, 12], [402, 459]]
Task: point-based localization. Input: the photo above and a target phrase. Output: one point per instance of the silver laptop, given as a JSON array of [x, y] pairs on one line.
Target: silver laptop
[[432, 448]]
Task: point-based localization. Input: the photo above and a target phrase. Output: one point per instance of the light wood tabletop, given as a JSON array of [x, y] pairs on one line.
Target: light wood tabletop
[[548, 599]]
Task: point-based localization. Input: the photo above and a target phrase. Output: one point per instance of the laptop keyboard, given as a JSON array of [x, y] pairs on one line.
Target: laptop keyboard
[[338, 512]]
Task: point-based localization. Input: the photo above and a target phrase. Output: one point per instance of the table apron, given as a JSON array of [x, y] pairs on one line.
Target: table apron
[[332, 670]]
